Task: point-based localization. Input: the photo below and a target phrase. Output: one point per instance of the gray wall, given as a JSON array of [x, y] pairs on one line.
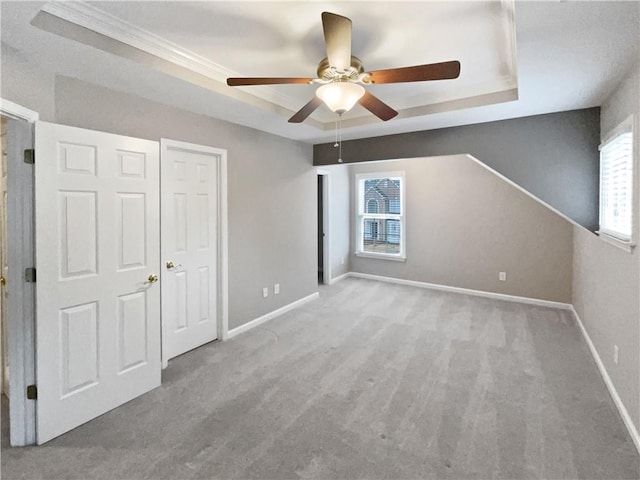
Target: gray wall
[[271, 238], [465, 224], [27, 84], [606, 285], [553, 156]]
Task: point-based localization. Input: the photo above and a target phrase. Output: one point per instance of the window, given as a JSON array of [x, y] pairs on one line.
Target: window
[[616, 183], [380, 214]]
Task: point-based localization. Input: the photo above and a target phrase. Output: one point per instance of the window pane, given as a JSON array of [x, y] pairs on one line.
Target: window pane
[[382, 192], [616, 186], [381, 236], [380, 215]]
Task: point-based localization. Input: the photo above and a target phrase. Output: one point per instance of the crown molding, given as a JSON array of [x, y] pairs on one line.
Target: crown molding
[[99, 21], [509, 21]]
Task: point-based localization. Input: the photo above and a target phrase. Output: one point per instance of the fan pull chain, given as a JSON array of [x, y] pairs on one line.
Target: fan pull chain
[[336, 144], [340, 138]]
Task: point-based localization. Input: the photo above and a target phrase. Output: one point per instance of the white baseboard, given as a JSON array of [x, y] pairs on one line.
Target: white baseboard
[[338, 278], [271, 315], [466, 291], [631, 428]]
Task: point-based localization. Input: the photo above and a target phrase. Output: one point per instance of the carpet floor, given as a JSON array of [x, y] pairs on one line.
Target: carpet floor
[[372, 380]]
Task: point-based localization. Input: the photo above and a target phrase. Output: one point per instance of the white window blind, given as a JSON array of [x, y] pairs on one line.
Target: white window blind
[[616, 186]]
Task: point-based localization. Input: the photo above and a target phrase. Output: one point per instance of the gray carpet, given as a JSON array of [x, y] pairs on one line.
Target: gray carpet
[[372, 380]]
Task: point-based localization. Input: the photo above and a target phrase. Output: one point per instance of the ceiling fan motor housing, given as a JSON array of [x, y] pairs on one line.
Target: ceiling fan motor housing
[[331, 74]]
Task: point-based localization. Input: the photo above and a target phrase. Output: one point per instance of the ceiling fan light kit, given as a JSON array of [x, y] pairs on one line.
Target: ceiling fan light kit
[[343, 75], [340, 97]]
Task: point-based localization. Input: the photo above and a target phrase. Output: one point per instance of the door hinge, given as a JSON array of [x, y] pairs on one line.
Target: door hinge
[[32, 392], [30, 156], [30, 275]]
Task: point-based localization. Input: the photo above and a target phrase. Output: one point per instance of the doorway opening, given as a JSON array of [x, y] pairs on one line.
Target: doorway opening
[[17, 259], [324, 252], [320, 231]]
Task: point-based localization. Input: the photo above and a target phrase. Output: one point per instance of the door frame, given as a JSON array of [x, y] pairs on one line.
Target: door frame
[[222, 274], [326, 216], [21, 304]]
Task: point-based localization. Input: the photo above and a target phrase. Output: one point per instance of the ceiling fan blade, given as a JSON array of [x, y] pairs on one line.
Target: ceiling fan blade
[[377, 107], [245, 81], [337, 36], [302, 114], [418, 73]]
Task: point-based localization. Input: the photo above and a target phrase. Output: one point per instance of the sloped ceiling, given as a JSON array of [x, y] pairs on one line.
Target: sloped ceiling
[[517, 59]]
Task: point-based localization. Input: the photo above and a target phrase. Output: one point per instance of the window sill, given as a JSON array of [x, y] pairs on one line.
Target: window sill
[[382, 256], [627, 246]]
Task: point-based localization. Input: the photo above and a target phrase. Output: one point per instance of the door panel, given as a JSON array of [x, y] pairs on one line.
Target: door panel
[[97, 250], [189, 183], [130, 231], [79, 349], [79, 246], [132, 329]]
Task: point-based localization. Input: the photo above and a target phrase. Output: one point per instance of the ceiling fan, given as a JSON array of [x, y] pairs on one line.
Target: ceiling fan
[[342, 75]]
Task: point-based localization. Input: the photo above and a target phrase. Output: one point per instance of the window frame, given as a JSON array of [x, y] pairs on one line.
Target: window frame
[[611, 236], [361, 215]]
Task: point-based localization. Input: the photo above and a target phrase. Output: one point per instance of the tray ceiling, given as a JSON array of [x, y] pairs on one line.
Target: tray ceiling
[[518, 59]]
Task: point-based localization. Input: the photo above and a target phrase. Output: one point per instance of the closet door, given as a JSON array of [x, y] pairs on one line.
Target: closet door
[[190, 247]]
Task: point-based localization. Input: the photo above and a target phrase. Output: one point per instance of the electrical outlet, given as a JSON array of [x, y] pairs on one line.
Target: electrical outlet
[[615, 354], [265, 292], [502, 276], [276, 289], [342, 261]]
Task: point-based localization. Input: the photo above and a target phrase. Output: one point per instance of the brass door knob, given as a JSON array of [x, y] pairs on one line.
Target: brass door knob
[[3, 281], [152, 278], [170, 265]]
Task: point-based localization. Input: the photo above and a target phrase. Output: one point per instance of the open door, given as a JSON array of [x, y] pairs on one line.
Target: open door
[[97, 258], [4, 266], [20, 295]]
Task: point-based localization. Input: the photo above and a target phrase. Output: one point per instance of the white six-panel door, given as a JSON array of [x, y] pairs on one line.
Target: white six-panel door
[[97, 251], [189, 199]]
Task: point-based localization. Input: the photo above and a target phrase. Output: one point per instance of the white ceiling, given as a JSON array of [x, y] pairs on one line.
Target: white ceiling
[[536, 57]]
